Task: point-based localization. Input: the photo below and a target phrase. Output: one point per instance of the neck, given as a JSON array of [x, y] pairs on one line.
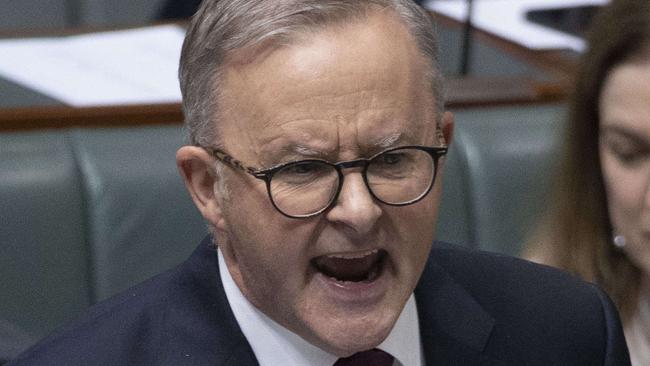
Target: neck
[[643, 309], [637, 329]]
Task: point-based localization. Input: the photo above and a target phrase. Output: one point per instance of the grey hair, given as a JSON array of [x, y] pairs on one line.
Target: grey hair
[[221, 27]]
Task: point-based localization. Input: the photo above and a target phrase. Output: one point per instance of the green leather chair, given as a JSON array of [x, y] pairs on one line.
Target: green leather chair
[[140, 218], [44, 260], [498, 174]]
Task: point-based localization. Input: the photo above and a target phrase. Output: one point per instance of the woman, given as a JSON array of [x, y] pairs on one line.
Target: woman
[[598, 226]]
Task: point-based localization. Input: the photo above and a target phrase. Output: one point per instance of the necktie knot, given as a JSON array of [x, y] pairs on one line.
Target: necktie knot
[[373, 357]]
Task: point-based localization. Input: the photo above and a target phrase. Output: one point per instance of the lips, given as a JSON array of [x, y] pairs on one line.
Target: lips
[[352, 267]]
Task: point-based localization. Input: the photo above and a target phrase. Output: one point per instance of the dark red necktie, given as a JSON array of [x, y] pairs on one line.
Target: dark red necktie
[[374, 357]]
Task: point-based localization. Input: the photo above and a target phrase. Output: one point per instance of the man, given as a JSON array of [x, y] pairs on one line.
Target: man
[[317, 145]]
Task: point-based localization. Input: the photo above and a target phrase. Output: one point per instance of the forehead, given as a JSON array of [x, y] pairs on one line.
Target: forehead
[[625, 97], [348, 84]]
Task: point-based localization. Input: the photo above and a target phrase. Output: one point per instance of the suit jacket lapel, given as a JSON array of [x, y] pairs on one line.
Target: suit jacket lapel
[[211, 329], [454, 328]]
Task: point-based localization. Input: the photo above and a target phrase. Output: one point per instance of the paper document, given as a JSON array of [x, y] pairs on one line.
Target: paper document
[[507, 19], [136, 66]]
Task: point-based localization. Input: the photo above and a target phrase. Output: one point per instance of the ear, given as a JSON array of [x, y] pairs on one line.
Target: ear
[[196, 166], [448, 127]]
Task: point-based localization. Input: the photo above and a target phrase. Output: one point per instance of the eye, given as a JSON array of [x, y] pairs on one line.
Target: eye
[[629, 148], [394, 164], [303, 168], [631, 157], [303, 172], [390, 158], [628, 154]]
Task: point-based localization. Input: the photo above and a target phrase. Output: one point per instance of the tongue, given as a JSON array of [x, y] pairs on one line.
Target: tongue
[[355, 269]]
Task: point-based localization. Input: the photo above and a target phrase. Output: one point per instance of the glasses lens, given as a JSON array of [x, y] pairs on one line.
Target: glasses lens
[[304, 187], [401, 176]]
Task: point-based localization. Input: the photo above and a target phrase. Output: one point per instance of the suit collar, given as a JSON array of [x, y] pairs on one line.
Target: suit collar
[[221, 340], [455, 328]]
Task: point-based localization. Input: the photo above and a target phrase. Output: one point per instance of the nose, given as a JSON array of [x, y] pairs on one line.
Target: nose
[[355, 207]]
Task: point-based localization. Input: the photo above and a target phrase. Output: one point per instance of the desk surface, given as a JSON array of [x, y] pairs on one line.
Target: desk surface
[[501, 73]]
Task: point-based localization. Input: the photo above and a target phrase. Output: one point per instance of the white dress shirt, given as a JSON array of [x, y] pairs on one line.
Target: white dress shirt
[[637, 330], [275, 345]]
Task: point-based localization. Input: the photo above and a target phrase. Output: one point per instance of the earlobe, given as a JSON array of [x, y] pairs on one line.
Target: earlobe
[[196, 167]]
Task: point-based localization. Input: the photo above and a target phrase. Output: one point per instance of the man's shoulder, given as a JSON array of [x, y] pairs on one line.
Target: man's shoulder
[[172, 318], [537, 312], [483, 270], [512, 280], [111, 325]]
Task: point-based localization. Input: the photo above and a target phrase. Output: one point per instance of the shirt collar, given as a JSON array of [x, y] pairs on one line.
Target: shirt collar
[[266, 336]]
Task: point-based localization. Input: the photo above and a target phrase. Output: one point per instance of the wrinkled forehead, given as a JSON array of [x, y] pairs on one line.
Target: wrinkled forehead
[[365, 80]]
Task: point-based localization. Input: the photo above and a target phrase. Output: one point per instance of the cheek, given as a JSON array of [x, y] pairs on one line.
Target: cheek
[[264, 270], [420, 218], [617, 196], [625, 193], [271, 262], [266, 245], [628, 206], [415, 226], [639, 254]]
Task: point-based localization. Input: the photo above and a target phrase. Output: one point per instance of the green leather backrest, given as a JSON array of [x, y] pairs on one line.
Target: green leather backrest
[[141, 219], [498, 174], [43, 257]]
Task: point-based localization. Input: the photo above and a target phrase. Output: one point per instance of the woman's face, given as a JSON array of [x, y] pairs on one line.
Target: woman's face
[[624, 147]]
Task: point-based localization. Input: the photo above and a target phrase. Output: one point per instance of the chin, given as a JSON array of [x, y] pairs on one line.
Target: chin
[[346, 337], [348, 345]]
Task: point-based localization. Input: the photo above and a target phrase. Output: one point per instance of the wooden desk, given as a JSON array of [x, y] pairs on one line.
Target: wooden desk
[[546, 77], [549, 77], [559, 65]]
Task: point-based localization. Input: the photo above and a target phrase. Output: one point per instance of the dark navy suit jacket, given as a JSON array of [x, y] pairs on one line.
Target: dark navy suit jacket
[[474, 309]]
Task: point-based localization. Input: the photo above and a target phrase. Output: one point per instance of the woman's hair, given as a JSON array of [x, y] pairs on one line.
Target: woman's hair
[[576, 233]]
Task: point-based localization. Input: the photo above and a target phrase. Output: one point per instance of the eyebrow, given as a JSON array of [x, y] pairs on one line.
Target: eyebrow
[[290, 152], [388, 141], [298, 150], [304, 150]]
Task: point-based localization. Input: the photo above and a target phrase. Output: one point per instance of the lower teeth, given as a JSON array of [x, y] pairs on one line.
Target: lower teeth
[[372, 275]]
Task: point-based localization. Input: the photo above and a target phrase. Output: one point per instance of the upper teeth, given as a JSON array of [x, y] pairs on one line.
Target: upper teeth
[[354, 255]]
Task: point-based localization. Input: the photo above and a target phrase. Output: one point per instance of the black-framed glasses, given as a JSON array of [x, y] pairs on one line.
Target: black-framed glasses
[[398, 176]]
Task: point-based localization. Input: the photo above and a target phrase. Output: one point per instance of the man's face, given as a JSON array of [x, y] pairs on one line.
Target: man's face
[[342, 93]]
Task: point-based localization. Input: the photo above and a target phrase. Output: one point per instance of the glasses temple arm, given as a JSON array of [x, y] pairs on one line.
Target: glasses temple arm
[[229, 160]]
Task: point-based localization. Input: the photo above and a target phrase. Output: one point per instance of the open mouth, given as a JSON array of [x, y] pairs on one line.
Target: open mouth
[[361, 267]]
